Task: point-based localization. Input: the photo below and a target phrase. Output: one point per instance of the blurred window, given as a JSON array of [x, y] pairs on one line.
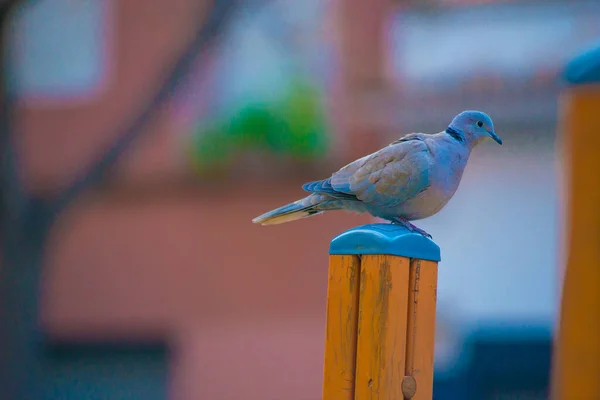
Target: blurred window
[[58, 48]]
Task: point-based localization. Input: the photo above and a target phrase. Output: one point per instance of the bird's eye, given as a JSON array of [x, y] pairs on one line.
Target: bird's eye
[[479, 124]]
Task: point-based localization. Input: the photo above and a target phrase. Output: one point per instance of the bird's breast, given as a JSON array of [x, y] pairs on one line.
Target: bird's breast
[[425, 204], [444, 179]]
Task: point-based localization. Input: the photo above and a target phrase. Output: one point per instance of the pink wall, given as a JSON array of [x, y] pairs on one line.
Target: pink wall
[[154, 257]]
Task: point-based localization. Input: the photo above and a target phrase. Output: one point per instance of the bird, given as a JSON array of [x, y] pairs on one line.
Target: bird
[[410, 179]]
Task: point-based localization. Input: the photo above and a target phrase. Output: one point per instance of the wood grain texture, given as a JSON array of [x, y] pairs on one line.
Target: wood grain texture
[[382, 322], [576, 362], [422, 299], [342, 317]]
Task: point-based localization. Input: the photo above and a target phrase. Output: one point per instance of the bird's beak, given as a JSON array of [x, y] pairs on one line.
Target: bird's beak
[[496, 138]]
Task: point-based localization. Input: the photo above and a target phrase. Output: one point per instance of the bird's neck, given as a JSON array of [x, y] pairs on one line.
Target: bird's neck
[[459, 137], [456, 134]]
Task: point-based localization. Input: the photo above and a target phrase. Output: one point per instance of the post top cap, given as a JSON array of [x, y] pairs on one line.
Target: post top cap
[[389, 239], [584, 68]]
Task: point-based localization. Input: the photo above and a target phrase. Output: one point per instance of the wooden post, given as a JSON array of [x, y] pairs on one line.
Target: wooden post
[[576, 362], [381, 304]]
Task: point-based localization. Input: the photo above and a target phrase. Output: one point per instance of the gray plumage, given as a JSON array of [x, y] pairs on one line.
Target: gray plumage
[[410, 179]]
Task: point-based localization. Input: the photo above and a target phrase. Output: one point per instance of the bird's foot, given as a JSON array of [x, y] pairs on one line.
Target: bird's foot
[[410, 226]]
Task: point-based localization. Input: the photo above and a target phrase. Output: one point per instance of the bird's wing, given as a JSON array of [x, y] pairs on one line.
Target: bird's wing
[[385, 178]]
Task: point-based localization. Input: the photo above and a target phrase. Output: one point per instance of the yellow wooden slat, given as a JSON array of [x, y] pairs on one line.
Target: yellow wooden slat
[[576, 362], [421, 326], [342, 316], [382, 320]]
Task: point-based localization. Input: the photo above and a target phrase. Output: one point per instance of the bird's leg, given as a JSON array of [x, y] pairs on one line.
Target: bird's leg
[[404, 222]]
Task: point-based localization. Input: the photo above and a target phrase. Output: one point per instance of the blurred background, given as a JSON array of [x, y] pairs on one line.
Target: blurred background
[[140, 137]]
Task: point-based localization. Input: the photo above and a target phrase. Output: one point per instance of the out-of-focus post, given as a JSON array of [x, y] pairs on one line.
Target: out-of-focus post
[[576, 362], [381, 305]]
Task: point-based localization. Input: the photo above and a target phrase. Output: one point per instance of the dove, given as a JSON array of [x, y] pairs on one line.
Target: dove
[[410, 179]]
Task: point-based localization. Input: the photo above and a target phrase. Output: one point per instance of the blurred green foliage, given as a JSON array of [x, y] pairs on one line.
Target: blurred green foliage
[[294, 126]]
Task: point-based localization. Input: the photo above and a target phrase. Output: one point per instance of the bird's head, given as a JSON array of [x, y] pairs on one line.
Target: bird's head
[[472, 127]]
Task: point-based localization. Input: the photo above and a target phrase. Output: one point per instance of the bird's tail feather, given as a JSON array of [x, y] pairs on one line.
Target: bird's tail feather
[[287, 213]]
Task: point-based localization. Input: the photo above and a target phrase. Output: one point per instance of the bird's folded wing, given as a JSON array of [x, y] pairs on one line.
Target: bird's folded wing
[[388, 177]]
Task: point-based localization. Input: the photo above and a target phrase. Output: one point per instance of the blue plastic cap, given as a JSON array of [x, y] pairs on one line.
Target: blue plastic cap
[[584, 69], [390, 239]]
